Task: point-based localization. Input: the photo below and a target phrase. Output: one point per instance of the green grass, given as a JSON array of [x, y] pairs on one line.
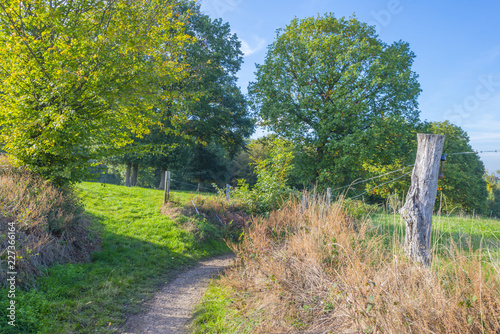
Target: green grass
[[141, 249], [214, 315], [464, 231], [211, 314]]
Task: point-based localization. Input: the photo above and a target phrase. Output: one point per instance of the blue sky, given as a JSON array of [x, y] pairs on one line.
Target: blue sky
[[457, 47]]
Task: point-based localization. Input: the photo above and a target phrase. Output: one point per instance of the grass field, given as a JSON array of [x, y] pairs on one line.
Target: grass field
[[141, 248], [465, 232]]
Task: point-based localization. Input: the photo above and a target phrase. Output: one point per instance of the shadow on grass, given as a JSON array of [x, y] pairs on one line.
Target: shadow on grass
[[96, 297]]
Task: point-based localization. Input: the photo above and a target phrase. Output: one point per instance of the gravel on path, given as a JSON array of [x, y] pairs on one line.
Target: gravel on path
[[170, 310]]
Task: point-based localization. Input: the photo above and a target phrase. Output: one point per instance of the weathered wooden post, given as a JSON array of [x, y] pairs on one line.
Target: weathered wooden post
[[417, 210], [167, 187], [328, 196], [228, 192], [303, 206]]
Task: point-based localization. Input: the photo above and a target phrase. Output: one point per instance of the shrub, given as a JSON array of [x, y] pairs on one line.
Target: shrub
[[50, 224], [271, 188]]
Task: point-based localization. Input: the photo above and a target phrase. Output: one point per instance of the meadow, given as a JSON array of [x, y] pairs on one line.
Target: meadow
[[298, 270], [463, 231]]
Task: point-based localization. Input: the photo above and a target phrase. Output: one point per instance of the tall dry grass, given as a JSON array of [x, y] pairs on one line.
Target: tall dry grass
[[50, 224], [318, 271]]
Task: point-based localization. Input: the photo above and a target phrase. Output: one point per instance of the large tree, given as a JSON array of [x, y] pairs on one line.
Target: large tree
[[463, 185], [212, 110], [332, 87], [218, 110], [78, 77]]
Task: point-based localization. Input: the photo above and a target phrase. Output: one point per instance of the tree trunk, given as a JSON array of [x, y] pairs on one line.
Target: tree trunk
[[417, 210], [133, 177], [162, 179], [127, 175], [201, 186]]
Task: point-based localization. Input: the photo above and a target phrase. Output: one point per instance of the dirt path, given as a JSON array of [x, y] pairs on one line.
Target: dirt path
[[170, 310]]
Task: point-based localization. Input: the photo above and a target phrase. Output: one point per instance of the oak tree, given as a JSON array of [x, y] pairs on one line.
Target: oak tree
[[331, 86], [212, 113]]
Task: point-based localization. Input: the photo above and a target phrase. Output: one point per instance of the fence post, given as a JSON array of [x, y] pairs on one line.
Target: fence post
[[328, 196], [417, 210], [167, 187], [304, 200], [228, 191]]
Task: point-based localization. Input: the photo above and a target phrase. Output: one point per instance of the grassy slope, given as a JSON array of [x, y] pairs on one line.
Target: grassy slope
[[140, 249]]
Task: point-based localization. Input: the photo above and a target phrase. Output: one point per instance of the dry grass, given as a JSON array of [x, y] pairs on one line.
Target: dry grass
[[208, 217], [317, 271], [50, 224], [217, 208]]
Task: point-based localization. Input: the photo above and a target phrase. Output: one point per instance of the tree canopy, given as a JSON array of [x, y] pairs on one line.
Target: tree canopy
[[79, 76], [211, 113], [332, 87], [463, 185], [217, 110]]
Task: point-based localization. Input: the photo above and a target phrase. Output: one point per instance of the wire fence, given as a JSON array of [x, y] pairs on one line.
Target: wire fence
[[380, 185], [214, 189], [472, 152], [372, 178], [186, 186], [349, 186]]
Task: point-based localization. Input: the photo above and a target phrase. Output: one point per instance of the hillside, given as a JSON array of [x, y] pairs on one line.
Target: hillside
[[141, 249]]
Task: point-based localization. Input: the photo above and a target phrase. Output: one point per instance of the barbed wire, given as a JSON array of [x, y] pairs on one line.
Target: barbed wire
[[357, 182], [382, 184], [372, 178], [473, 152], [375, 177]]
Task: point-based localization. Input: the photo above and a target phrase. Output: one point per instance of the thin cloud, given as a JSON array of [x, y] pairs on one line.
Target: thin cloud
[[485, 137], [485, 130], [248, 50]]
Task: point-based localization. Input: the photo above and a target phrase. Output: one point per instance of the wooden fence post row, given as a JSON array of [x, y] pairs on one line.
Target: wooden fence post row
[[308, 199], [419, 205], [166, 197]]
